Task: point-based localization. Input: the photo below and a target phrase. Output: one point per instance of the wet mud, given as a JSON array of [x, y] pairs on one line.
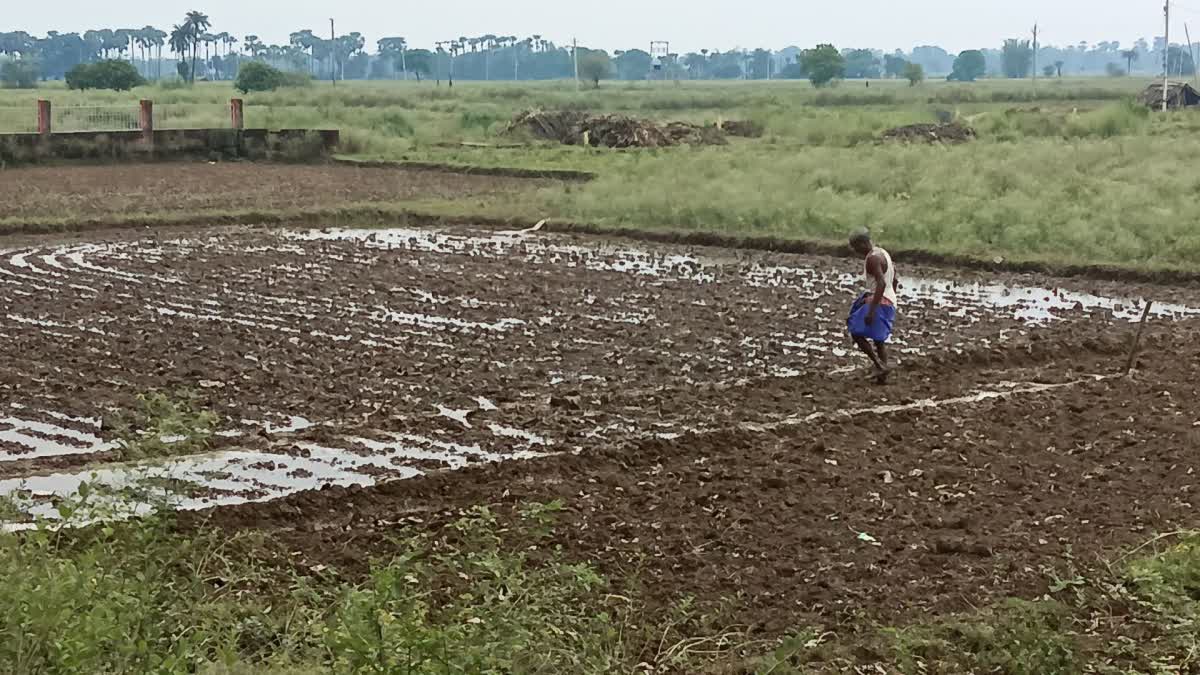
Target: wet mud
[[696, 409]]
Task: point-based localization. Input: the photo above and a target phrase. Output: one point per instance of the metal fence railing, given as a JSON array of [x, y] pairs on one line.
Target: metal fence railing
[[144, 116], [95, 118], [184, 116]]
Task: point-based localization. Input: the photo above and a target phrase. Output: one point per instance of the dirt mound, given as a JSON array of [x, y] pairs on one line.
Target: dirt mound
[[951, 132], [571, 127], [1179, 95], [743, 128]]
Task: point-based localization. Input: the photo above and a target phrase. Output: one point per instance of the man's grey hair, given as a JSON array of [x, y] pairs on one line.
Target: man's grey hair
[[861, 236]]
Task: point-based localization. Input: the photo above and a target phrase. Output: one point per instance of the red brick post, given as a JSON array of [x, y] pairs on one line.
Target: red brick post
[[236, 115], [146, 120], [44, 118]]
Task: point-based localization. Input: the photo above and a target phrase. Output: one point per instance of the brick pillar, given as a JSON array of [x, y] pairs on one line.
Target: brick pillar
[[146, 121], [44, 118], [236, 115]]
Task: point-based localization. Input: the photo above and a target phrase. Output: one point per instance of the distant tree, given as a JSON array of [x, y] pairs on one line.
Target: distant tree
[[1130, 55], [1058, 66], [633, 64], [18, 43], [59, 52], [19, 74], [392, 49], [1048, 71], [156, 39], [914, 73], [1179, 62], [933, 59], [793, 71], [969, 66], [1114, 70], [420, 62], [258, 76], [356, 67], [1016, 58], [180, 42], [595, 66], [861, 64], [195, 24], [894, 65], [109, 74], [760, 64], [695, 62], [823, 64]]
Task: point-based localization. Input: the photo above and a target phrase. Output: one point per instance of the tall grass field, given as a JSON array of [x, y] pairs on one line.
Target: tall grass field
[[1070, 171]]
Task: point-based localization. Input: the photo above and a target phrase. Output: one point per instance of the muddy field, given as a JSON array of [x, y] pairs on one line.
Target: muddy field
[[699, 411], [197, 188]]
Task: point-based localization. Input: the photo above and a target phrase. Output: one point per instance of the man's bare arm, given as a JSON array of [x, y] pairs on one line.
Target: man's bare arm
[[875, 269]]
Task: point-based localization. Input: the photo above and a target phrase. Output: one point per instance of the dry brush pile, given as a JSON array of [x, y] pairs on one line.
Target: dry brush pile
[[572, 127], [950, 132]]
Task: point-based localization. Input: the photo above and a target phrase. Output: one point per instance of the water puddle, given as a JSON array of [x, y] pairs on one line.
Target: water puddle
[[239, 477], [40, 439], [962, 300]]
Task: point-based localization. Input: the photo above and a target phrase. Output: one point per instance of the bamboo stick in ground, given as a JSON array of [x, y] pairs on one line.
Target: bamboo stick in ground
[[1137, 338]]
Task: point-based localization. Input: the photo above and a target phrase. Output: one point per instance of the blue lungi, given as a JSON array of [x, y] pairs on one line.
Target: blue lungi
[[880, 329]]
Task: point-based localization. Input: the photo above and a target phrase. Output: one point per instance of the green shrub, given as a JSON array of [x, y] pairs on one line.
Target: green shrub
[[258, 76], [173, 84], [472, 119], [110, 74], [394, 124], [297, 79], [19, 74]]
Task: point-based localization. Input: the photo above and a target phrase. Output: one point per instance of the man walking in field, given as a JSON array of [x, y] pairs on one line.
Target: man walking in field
[[874, 312]]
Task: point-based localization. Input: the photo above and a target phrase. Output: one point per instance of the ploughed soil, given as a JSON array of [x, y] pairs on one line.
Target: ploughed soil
[[199, 187], [712, 436], [876, 515]]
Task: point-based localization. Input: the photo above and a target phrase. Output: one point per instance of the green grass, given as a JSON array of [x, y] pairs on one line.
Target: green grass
[[492, 594], [146, 597], [162, 426], [1070, 171]]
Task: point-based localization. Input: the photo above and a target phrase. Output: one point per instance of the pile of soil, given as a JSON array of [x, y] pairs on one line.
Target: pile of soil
[[571, 127], [743, 128], [951, 132]]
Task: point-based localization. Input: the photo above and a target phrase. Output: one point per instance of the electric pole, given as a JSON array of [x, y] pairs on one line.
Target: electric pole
[[1166, 51], [1191, 55], [575, 58], [332, 54], [1035, 54]]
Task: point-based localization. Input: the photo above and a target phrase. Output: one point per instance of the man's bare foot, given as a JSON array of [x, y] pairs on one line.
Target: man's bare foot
[[882, 373]]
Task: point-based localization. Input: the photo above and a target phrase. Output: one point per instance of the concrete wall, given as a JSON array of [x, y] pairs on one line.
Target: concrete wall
[[212, 144]]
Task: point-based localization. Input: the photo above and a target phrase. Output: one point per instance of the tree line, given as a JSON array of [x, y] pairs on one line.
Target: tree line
[[195, 51]]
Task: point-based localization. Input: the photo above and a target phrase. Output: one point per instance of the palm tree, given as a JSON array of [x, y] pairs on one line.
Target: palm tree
[[229, 41], [207, 39], [180, 42], [144, 39], [196, 24], [157, 40], [1130, 55]]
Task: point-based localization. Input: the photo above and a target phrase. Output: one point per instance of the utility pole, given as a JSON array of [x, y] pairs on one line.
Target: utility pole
[[332, 54], [1035, 54], [575, 58], [1166, 51], [1191, 53]]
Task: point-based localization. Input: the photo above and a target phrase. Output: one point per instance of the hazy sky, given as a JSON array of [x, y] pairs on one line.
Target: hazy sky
[[688, 24]]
